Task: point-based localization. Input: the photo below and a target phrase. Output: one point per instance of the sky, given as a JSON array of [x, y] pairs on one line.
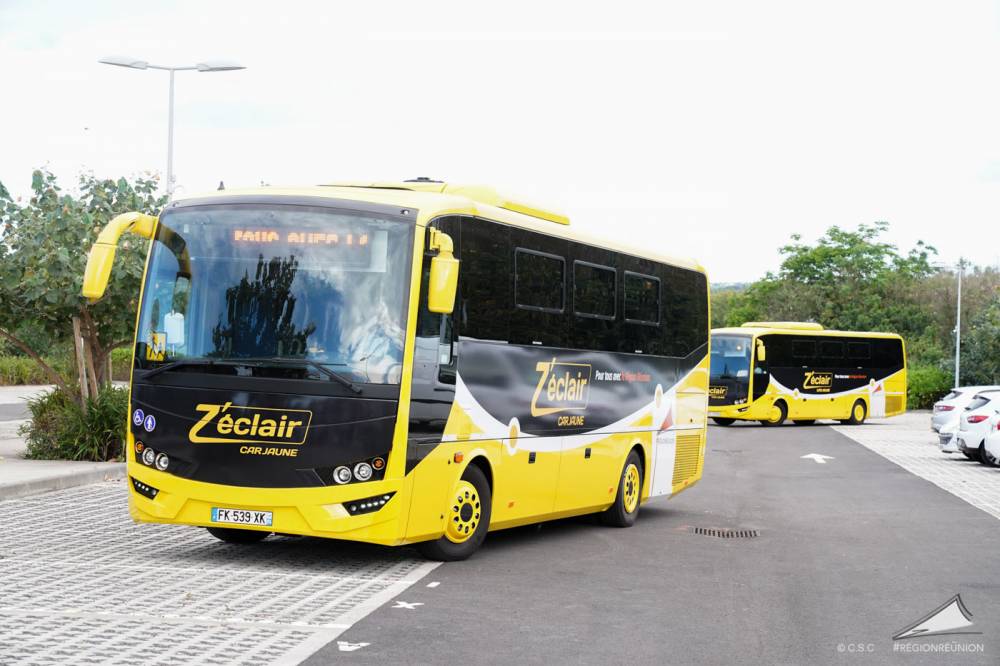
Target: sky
[[710, 130]]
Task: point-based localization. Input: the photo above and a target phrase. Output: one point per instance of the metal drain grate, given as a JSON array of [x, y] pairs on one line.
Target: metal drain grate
[[725, 533]]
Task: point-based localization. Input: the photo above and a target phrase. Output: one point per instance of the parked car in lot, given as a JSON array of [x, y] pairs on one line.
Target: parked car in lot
[[975, 423], [991, 446], [949, 408]]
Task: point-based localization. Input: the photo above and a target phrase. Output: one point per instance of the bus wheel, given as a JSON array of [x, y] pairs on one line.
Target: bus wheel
[[468, 514], [723, 422], [804, 421], [233, 535], [858, 414], [626, 507], [777, 416]]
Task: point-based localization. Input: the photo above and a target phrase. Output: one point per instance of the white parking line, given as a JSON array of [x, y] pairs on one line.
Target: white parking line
[[908, 442]]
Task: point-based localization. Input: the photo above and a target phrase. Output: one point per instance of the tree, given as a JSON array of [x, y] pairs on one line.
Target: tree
[[981, 346], [43, 252], [849, 279]]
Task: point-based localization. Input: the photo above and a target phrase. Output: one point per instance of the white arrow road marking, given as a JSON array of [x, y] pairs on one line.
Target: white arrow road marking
[[434, 584], [344, 646], [408, 605], [818, 457]]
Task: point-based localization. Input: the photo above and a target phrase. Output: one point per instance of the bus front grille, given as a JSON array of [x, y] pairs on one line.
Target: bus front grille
[[686, 460]]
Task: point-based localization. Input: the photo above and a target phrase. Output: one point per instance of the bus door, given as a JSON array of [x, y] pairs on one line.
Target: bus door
[[761, 375]]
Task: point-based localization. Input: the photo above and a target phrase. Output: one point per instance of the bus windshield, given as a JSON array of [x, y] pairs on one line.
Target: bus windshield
[[261, 283], [730, 357]]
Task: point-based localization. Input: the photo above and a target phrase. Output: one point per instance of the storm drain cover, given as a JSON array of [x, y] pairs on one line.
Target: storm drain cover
[[726, 533]]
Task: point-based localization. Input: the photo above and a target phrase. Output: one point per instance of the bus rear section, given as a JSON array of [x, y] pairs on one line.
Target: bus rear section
[[785, 371]]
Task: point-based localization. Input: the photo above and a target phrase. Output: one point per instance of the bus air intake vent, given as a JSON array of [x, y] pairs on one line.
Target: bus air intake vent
[[686, 460], [893, 403], [725, 533]]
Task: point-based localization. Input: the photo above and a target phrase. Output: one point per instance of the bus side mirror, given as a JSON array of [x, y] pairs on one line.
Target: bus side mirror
[[761, 352], [102, 254], [443, 283]]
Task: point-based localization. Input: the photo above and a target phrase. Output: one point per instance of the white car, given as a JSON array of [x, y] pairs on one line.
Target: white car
[[991, 447], [948, 409], [946, 435], [975, 423]]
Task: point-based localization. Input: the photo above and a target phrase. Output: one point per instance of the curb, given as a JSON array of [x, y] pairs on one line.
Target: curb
[[106, 472], [8, 429]]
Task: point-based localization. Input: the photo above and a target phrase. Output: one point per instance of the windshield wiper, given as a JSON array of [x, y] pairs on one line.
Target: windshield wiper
[[257, 363], [335, 376], [179, 364]]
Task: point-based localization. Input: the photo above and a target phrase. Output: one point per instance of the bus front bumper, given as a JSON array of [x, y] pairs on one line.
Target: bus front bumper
[[372, 512]]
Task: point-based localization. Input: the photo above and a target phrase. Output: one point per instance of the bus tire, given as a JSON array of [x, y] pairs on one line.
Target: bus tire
[[234, 535], [858, 414], [804, 421], [625, 510], [723, 421], [782, 415], [468, 515]]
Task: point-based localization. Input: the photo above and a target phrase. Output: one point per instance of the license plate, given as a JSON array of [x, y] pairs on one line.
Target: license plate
[[241, 517]]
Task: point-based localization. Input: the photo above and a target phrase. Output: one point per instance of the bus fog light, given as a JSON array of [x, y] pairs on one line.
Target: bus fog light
[[162, 462], [148, 456], [342, 475], [363, 471]]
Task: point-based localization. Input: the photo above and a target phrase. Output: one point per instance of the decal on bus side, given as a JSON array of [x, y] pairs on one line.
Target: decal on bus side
[[561, 387], [229, 423], [818, 381], [717, 392]]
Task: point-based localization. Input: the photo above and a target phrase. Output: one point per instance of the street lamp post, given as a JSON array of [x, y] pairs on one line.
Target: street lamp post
[[207, 66], [958, 324]]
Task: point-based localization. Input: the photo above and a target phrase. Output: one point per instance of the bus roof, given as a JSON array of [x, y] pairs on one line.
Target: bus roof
[[756, 328], [433, 199]]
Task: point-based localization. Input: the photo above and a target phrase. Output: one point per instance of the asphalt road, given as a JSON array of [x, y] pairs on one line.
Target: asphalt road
[[849, 553]]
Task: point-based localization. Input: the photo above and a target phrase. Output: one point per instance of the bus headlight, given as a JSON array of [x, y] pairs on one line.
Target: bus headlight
[[342, 475], [148, 456], [363, 471], [162, 462]]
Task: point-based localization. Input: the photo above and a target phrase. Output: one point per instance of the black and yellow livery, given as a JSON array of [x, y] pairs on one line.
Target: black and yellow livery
[[305, 363], [776, 371]]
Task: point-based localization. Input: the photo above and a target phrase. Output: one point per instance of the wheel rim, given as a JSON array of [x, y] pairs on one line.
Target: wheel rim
[[775, 414], [859, 412], [464, 512], [630, 488]]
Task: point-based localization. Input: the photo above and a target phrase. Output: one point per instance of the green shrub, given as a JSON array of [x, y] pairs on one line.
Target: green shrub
[[60, 429], [121, 364], [927, 384]]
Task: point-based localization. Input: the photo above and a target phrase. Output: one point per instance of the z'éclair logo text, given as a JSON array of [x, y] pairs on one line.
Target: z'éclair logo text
[[561, 387], [717, 392], [818, 381], [229, 423]]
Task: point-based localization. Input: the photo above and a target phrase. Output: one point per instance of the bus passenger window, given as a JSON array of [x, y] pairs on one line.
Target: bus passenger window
[[860, 351], [539, 281], [831, 350], [804, 351], [594, 290], [642, 299]]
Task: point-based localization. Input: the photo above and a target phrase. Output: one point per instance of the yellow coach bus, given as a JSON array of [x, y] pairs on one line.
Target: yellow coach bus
[[397, 363], [773, 371]]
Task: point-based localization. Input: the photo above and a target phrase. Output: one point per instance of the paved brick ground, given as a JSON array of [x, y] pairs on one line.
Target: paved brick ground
[[908, 441], [81, 583]]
